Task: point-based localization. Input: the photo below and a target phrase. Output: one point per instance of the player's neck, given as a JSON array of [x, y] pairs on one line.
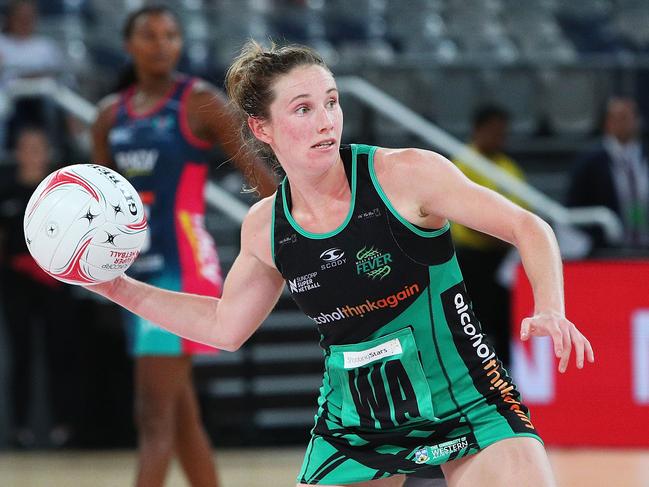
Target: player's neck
[[313, 197], [152, 86]]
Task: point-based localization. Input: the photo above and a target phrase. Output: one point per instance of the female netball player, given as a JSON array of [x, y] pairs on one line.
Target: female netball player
[[361, 235], [158, 132]]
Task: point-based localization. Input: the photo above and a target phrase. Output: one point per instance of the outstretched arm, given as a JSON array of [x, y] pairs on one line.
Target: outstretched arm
[[457, 198], [250, 292]]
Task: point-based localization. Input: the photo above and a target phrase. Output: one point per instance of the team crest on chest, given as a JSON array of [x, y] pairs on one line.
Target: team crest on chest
[[373, 263]]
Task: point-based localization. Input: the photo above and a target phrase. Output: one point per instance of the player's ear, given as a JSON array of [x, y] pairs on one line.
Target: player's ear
[[259, 128]]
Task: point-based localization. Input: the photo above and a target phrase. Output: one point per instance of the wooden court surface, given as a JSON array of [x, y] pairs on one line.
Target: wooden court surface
[[278, 467]]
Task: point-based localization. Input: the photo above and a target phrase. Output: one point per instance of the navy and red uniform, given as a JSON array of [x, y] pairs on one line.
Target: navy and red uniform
[[168, 166]]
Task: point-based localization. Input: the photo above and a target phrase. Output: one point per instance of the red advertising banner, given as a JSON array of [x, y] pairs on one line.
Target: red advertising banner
[[606, 403]]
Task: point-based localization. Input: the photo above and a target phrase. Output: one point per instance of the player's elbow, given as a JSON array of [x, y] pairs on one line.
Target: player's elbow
[[223, 337], [529, 226], [231, 345]]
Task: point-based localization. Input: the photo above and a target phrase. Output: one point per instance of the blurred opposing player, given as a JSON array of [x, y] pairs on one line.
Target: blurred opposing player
[[158, 130]]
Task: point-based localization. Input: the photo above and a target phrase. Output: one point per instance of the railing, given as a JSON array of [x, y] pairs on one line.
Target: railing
[[390, 108]]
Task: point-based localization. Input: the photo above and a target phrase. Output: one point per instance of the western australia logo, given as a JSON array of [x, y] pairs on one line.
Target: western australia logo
[[373, 263], [441, 451], [421, 456], [303, 283], [332, 257], [448, 448]]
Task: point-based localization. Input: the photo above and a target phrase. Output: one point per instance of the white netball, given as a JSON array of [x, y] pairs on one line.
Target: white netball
[[84, 224]]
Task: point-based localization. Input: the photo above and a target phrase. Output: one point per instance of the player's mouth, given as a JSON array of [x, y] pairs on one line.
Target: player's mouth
[[325, 144]]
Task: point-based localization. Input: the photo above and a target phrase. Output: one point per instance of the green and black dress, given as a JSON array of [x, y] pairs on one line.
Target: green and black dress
[[410, 380]]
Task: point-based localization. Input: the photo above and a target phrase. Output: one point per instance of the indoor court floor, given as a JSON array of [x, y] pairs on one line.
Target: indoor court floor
[[278, 467]]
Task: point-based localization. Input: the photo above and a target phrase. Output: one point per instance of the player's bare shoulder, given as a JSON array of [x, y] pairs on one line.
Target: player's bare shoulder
[[205, 96], [410, 164], [401, 165], [208, 112], [107, 111], [109, 102], [386, 159], [256, 230]]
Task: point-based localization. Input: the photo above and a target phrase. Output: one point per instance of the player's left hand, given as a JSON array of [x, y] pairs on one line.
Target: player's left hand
[[564, 334]]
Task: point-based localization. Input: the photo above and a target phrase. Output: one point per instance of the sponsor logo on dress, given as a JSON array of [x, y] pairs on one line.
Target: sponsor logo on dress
[[163, 123], [332, 257], [366, 215], [482, 350], [360, 310], [291, 239], [120, 135], [202, 246], [390, 348], [373, 263], [140, 162], [491, 366], [304, 283], [447, 448]]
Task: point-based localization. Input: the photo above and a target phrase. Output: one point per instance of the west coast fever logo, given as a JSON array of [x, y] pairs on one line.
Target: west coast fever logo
[[350, 311], [373, 263], [332, 257]]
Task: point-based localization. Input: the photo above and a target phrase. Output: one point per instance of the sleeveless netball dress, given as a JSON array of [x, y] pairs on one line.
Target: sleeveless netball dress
[[167, 165], [410, 380]]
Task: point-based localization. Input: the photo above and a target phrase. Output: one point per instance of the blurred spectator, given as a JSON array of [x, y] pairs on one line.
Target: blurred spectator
[[39, 313], [24, 54], [615, 174], [481, 255]]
